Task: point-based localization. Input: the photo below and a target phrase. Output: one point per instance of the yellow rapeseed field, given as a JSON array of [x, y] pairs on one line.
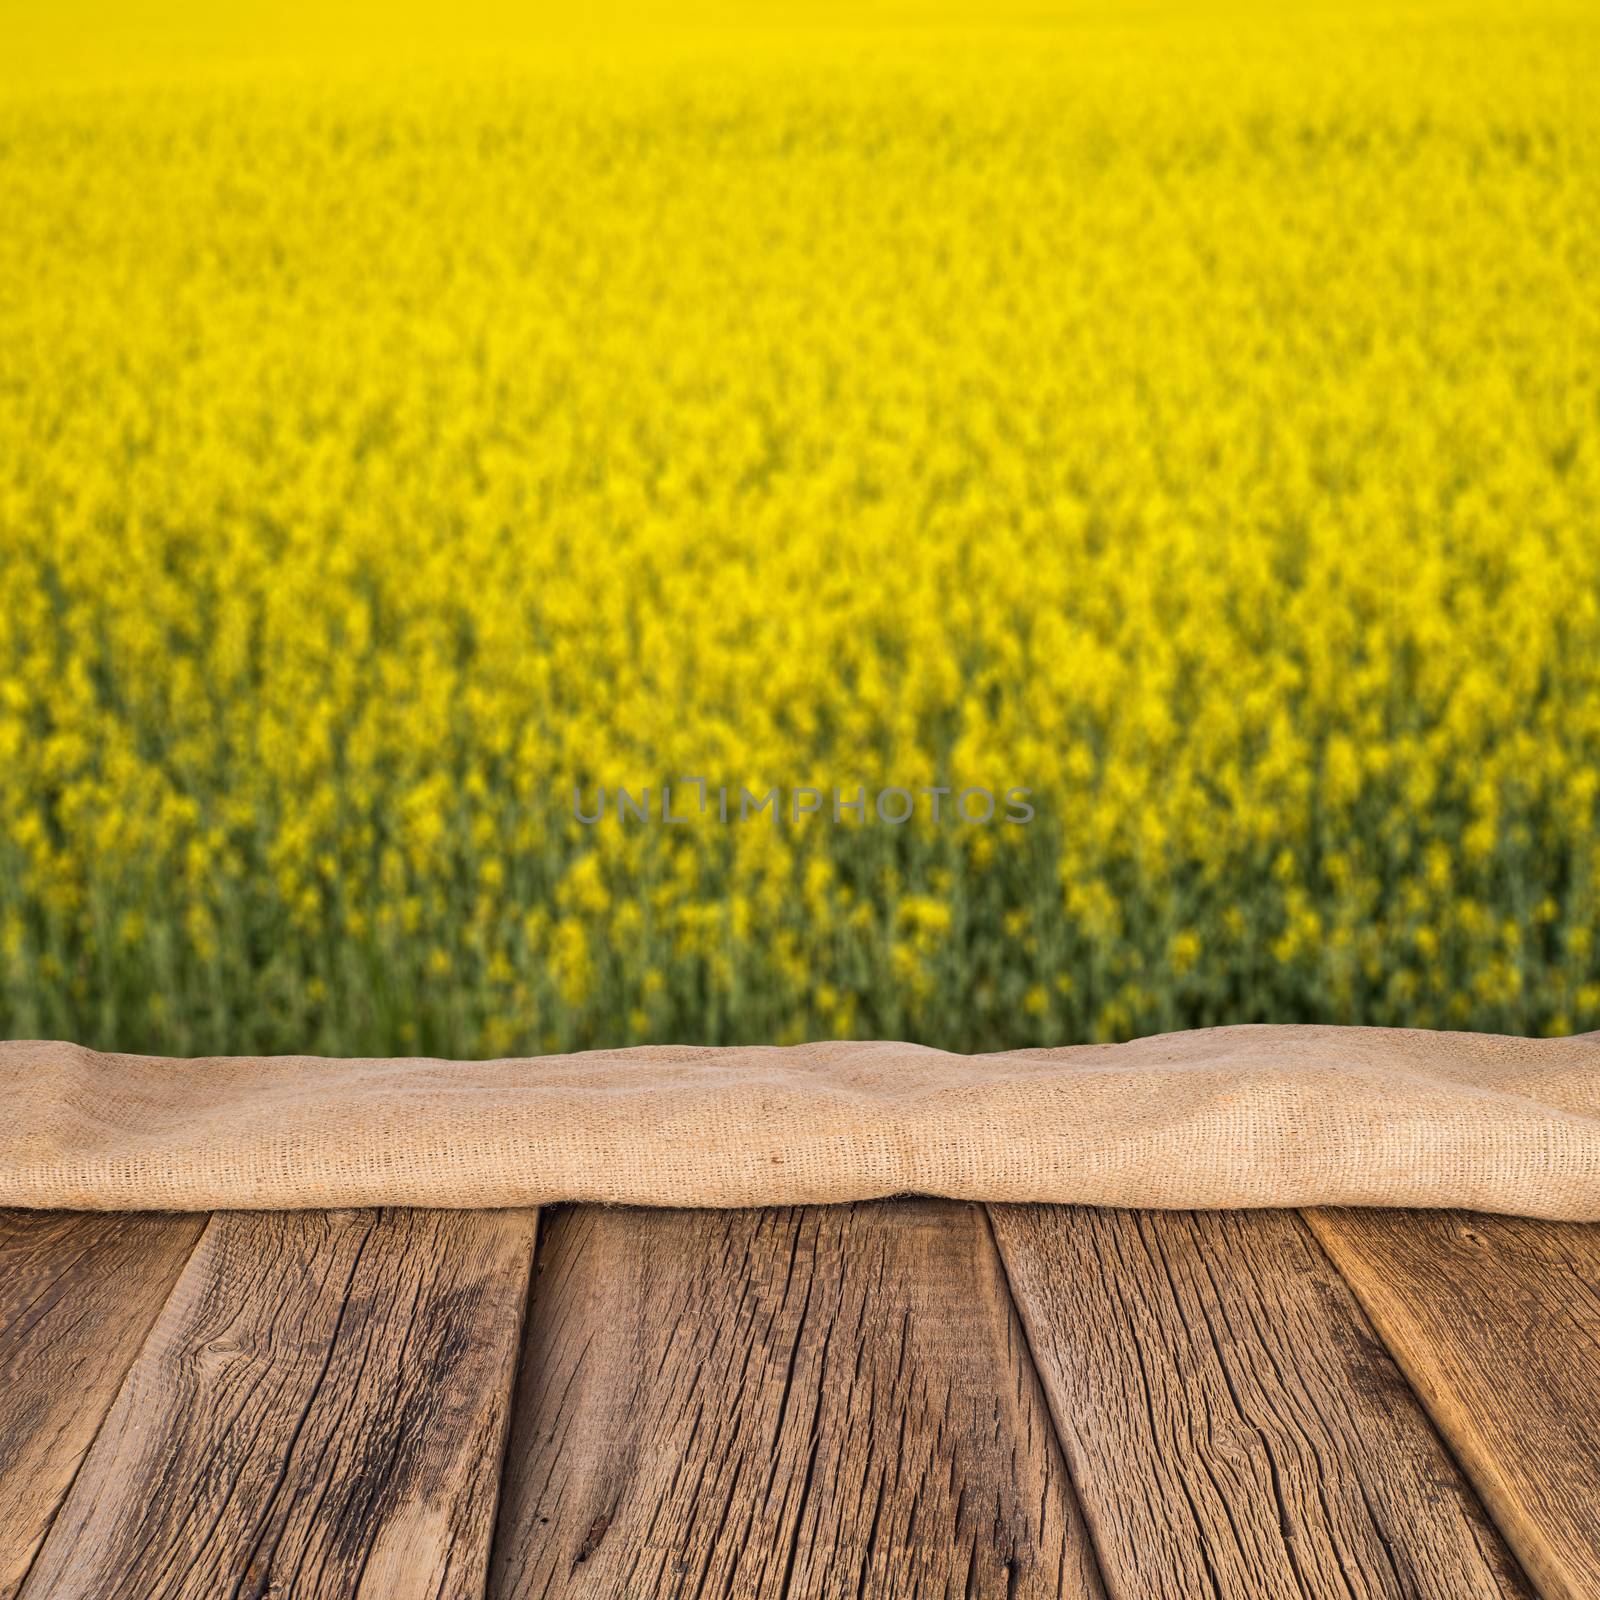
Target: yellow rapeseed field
[[1187, 412]]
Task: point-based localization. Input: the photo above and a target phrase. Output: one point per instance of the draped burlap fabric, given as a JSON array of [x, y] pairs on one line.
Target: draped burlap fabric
[[1240, 1116]]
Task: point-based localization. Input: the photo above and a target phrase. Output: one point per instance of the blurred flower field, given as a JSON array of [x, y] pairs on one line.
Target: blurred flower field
[[1188, 412]]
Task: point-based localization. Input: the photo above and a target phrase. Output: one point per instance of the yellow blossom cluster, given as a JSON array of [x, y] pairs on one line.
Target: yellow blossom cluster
[[1188, 412]]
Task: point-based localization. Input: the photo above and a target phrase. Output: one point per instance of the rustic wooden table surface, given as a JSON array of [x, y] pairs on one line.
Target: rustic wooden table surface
[[902, 1399]]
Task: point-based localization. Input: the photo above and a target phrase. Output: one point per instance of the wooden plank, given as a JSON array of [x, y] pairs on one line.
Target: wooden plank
[[1496, 1321], [319, 1411], [1232, 1425], [828, 1401], [78, 1293]]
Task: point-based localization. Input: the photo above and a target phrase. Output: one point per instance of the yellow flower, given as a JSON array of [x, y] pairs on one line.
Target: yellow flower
[[365, 494]]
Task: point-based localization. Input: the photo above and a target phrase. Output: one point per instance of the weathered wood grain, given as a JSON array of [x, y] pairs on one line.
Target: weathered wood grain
[[78, 1293], [318, 1411], [1496, 1321], [831, 1401], [1232, 1425]]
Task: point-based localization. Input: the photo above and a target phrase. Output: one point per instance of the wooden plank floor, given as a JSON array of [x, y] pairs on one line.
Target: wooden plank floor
[[910, 1398]]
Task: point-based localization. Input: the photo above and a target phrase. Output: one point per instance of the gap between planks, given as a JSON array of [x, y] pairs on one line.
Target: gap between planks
[[1195, 1445], [1232, 1426], [318, 1411], [79, 1292], [1496, 1322]]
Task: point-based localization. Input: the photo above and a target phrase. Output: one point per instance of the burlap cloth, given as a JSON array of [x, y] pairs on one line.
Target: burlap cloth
[[1244, 1116]]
